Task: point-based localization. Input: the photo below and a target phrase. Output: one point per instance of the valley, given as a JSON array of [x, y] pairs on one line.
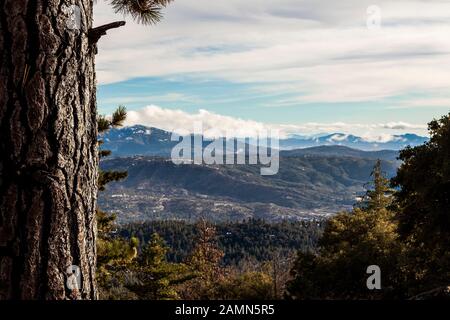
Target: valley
[[311, 183]]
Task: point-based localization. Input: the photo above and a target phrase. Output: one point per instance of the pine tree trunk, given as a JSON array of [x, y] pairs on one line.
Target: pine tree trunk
[[48, 150]]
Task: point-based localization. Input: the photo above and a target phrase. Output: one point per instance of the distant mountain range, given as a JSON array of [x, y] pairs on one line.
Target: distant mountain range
[[397, 142], [142, 140], [318, 176], [138, 140]]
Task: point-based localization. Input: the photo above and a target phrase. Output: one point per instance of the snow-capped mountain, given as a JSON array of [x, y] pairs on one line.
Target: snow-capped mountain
[[142, 140], [138, 140], [395, 142]]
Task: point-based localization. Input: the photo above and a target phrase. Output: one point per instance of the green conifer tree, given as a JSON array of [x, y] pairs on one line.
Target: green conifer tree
[[423, 206], [113, 254], [153, 277], [350, 243], [104, 125], [380, 196]]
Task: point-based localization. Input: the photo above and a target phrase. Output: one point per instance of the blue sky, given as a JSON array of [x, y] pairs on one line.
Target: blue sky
[[306, 65], [239, 100]]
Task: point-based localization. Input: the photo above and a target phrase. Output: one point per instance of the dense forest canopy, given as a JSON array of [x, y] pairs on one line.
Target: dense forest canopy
[[248, 240]]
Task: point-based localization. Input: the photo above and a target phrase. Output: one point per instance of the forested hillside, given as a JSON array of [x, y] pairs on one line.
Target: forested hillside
[[309, 184], [252, 240]]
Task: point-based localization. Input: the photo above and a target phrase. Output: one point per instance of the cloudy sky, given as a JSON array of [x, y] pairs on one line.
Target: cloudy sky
[[305, 66]]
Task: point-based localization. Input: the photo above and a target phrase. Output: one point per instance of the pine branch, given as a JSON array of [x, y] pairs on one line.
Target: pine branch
[[106, 177], [119, 116], [143, 11], [103, 124], [117, 119], [104, 153]]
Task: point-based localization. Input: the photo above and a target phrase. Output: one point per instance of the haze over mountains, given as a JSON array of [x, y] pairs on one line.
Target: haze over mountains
[[311, 183]]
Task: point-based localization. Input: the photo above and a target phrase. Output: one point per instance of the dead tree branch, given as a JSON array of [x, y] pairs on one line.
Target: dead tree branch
[[96, 33]]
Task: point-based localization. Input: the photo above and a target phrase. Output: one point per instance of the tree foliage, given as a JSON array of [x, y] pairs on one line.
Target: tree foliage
[[405, 233], [213, 280], [104, 124], [114, 254], [251, 285], [378, 196], [143, 11], [249, 240], [154, 277], [350, 243], [423, 205], [205, 263]]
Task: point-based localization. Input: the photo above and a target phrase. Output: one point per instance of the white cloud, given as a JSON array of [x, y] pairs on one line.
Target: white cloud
[[183, 123], [402, 126], [319, 50]]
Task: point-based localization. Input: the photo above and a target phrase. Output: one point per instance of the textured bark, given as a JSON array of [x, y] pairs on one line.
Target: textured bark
[[48, 150]]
